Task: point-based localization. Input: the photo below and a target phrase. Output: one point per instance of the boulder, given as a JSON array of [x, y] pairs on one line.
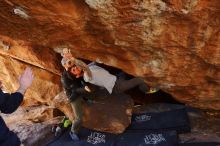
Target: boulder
[[173, 44], [35, 134], [107, 113]]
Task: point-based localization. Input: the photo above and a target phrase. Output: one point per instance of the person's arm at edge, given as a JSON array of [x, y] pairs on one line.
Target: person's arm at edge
[[10, 102]]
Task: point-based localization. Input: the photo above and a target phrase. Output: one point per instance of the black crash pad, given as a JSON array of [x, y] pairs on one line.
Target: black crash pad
[[170, 120], [146, 138], [91, 138], [87, 138], [200, 144]]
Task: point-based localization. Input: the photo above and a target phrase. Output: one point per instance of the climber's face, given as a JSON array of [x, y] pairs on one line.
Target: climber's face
[[77, 71]]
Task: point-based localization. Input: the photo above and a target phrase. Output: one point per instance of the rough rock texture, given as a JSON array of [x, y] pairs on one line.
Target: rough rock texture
[[107, 113], [200, 133], [36, 114], [171, 43], [62, 103], [34, 134], [45, 86], [33, 124]]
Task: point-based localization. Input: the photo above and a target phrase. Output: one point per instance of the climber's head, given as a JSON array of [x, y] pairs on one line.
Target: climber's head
[[76, 71], [67, 63]]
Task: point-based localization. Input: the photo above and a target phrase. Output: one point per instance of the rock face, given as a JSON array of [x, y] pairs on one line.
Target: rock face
[[109, 113], [171, 43], [45, 86], [34, 134]]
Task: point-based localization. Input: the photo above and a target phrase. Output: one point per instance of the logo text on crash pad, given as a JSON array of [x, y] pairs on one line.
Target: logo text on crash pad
[[142, 118], [96, 138], [154, 138]]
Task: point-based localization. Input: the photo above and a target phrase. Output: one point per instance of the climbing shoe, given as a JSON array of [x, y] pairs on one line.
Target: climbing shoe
[[73, 136], [152, 90], [58, 131]]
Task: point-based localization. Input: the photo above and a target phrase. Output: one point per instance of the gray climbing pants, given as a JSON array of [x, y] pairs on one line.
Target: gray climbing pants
[[78, 113], [122, 85]]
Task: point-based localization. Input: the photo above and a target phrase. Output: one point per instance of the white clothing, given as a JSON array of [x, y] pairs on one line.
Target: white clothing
[[100, 77]]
